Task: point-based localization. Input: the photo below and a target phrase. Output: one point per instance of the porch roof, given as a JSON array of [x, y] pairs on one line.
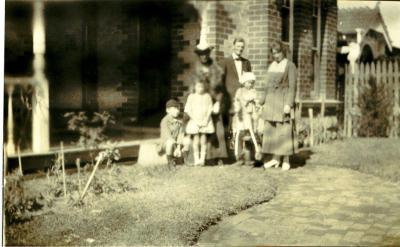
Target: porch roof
[[365, 18]]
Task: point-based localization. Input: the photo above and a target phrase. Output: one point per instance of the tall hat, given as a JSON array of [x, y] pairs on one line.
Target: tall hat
[[203, 46], [247, 76]]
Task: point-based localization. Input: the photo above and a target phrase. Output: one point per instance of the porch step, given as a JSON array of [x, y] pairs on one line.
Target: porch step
[[31, 162]]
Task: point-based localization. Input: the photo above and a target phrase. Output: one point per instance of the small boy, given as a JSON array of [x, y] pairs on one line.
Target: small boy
[[172, 133]]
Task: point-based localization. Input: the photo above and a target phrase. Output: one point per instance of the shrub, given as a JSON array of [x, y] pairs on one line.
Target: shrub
[[375, 105], [19, 206], [90, 129]]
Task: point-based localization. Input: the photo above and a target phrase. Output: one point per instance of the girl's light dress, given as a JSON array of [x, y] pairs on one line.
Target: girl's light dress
[[199, 108]]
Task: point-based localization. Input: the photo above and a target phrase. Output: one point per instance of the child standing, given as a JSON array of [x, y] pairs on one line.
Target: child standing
[[199, 107], [246, 110], [172, 133]]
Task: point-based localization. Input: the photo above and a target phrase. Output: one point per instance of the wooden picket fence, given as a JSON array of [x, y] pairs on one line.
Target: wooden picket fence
[[357, 78]]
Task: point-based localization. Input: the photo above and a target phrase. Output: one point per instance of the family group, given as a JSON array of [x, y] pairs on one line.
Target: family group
[[224, 110]]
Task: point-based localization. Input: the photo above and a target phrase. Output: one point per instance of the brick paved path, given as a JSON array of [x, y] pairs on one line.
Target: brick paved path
[[317, 205]]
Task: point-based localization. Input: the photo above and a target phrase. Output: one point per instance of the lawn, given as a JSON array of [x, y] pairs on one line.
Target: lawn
[[376, 156], [166, 208]]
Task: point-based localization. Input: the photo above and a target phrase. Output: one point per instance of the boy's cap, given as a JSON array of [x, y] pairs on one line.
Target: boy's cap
[[247, 76], [172, 103]]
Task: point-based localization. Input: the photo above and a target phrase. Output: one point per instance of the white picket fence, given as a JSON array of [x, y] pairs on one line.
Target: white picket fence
[[386, 72]]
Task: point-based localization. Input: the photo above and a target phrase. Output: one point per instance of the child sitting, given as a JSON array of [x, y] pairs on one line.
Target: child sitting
[[246, 111], [199, 107], [172, 133]]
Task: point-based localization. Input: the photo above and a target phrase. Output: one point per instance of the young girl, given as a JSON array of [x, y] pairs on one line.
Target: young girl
[[246, 111], [199, 107]]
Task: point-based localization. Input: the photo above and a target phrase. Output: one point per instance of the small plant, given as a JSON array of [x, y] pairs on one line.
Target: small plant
[[19, 206], [330, 124], [90, 129], [375, 108]]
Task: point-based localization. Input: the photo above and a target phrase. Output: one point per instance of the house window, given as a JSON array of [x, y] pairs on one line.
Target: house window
[[286, 7], [285, 15], [316, 45]]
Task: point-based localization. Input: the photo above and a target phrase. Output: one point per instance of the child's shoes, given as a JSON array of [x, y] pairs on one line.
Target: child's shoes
[[271, 163], [285, 166]]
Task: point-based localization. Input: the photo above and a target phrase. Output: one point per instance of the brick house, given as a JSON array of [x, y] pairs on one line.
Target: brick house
[[129, 57]]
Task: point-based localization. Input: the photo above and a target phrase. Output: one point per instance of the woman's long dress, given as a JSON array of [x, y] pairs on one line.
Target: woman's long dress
[[278, 134]]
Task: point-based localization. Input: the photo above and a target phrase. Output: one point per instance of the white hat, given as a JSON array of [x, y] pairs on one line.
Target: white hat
[[247, 76], [203, 46]]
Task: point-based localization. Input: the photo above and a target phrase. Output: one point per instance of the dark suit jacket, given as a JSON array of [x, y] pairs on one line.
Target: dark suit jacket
[[230, 78]]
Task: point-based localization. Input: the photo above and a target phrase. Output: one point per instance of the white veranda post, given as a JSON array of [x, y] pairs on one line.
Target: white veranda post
[[40, 100], [10, 147]]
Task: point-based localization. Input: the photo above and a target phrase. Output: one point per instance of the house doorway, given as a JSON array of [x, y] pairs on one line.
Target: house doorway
[[154, 62]]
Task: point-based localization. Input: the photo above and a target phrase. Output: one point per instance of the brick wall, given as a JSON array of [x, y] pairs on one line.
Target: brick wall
[[117, 65], [302, 50], [264, 28], [185, 33], [64, 56], [302, 47], [328, 43]]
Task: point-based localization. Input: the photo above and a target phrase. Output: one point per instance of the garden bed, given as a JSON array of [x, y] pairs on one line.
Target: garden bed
[[375, 156], [164, 207]]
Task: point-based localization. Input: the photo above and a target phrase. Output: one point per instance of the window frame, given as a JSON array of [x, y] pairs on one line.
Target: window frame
[[316, 50], [288, 5]]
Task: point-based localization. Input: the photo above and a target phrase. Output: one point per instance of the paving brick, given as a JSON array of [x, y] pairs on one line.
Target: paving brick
[[287, 221]]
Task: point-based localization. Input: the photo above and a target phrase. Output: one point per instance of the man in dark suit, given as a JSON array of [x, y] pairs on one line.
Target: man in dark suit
[[233, 67]]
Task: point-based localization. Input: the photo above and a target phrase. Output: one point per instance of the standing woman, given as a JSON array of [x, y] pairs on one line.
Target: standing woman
[[207, 70], [278, 99]]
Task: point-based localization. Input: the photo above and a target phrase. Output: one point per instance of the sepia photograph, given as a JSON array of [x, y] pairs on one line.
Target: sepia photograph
[[200, 122]]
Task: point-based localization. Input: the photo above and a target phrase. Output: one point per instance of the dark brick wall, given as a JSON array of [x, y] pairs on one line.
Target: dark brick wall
[[302, 47], [18, 43], [329, 41], [117, 47], [111, 73], [264, 28], [64, 55], [118, 56]]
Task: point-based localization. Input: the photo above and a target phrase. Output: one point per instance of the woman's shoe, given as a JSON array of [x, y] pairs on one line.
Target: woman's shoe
[[285, 166], [271, 163]]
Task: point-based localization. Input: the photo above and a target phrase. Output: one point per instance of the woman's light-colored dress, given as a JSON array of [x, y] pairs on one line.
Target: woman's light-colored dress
[[199, 108]]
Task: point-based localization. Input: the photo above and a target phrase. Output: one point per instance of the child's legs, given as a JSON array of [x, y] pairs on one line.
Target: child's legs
[[196, 143], [237, 143], [203, 143], [186, 143], [203, 147], [169, 147]]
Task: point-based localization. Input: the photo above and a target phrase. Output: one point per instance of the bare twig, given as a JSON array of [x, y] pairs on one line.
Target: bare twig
[[5, 161], [63, 169], [19, 162], [99, 160], [78, 166], [311, 116]]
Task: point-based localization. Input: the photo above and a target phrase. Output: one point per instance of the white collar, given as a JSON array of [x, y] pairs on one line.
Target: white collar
[[278, 67], [235, 56]]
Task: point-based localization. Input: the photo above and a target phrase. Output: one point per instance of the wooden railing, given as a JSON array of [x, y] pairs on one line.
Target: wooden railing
[[386, 72], [11, 83]]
